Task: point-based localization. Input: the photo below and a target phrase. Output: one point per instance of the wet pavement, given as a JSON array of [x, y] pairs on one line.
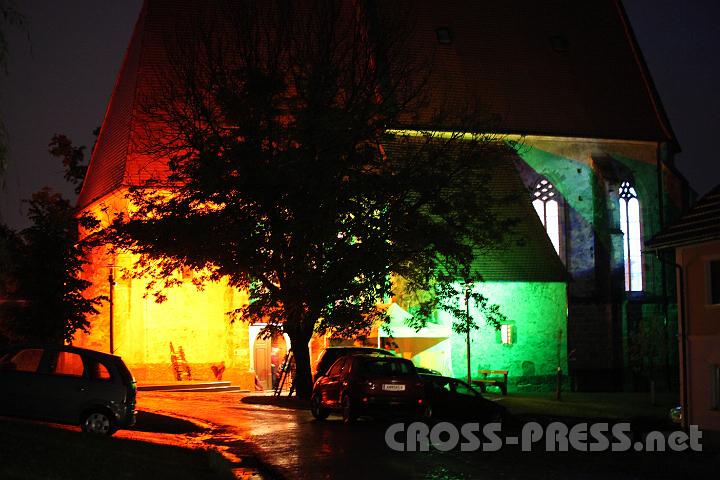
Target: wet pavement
[[291, 444], [294, 445]]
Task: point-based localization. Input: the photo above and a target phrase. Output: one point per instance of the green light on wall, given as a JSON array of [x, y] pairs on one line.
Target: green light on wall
[[536, 333]]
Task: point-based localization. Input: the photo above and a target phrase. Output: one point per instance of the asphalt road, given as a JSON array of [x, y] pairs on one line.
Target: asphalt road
[[299, 447]]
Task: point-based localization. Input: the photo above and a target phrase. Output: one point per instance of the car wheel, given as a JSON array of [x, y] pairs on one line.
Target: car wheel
[[316, 408], [98, 422], [348, 412]]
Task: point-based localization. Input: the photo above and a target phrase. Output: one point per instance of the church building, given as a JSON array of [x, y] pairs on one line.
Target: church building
[[593, 171]]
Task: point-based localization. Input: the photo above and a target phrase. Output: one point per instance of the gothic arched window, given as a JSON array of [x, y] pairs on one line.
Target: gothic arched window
[[632, 243], [547, 206]]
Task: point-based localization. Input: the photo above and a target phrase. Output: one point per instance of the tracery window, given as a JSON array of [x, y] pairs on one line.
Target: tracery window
[[632, 242], [547, 206]]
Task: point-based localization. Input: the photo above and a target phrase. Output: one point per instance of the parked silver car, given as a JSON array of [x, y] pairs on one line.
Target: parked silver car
[[67, 385]]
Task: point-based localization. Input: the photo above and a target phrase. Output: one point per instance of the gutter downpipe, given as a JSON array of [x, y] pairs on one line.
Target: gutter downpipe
[[659, 154], [684, 356], [683, 338], [111, 304]]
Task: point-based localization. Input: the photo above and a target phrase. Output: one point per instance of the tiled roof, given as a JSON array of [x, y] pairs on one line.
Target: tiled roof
[[555, 67], [106, 170], [700, 224], [551, 67], [526, 253], [522, 251]]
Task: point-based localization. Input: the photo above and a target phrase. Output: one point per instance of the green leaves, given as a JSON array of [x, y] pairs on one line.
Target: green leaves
[[47, 289], [73, 159]]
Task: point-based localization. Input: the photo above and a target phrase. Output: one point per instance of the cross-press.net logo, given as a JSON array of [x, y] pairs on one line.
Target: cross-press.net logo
[[555, 437]]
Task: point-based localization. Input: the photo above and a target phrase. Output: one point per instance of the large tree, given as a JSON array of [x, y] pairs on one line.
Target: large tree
[[41, 291], [46, 301], [72, 157], [9, 16], [9, 274], [286, 180]]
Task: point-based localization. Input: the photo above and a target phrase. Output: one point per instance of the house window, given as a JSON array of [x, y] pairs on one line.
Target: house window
[[506, 334], [713, 282], [547, 206], [632, 243]]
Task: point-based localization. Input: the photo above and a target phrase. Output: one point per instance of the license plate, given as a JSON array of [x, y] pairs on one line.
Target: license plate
[[391, 387]]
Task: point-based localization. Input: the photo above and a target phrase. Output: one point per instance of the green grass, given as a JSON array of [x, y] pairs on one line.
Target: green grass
[[38, 451]]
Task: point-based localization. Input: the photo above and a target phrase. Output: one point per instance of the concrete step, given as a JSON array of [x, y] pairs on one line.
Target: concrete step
[[184, 386]]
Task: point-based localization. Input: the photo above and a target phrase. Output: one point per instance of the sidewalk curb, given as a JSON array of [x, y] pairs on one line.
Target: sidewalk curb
[[222, 462]]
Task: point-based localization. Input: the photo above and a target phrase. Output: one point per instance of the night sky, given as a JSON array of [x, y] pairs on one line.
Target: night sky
[[60, 81]]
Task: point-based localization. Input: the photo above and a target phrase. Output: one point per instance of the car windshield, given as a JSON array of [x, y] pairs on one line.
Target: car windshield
[[389, 367], [26, 360]]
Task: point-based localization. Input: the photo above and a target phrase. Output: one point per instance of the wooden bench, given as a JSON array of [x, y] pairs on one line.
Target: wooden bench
[[500, 382]]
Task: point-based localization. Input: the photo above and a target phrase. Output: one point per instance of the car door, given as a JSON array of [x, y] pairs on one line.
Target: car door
[[334, 382], [465, 400], [321, 385], [20, 382], [66, 386], [441, 399]]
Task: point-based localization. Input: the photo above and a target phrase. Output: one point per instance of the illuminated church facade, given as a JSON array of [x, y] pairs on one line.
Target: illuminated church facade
[[594, 171]]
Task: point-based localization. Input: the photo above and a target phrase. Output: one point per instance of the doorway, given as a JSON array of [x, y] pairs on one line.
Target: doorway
[[269, 354]]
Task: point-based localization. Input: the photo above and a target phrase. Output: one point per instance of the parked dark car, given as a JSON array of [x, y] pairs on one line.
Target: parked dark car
[[375, 385], [454, 400], [330, 354], [67, 385], [427, 371]]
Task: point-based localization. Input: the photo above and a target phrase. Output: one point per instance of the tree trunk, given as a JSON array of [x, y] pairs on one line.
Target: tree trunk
[[303, 373]]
